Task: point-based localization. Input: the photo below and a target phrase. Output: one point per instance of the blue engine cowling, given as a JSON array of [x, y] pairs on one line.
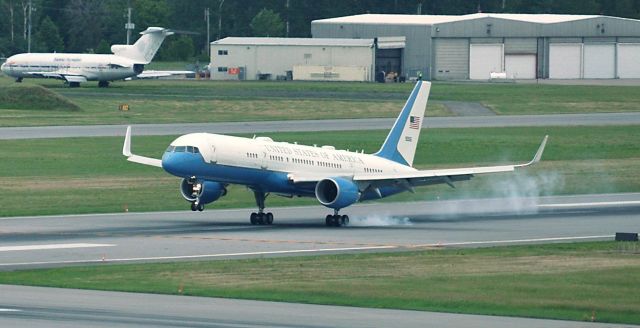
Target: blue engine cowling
[[337, 193], [204, 192]]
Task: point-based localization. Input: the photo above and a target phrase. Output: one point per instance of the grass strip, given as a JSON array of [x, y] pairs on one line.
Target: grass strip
[[575, 281], [164, 101], [89, 175]]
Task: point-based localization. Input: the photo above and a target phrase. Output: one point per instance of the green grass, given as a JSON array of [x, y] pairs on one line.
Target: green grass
[[89, 175], [560, 281], [164, 101], [34, 97]]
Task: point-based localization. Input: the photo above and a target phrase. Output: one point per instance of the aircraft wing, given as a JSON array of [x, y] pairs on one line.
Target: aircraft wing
[[448, 176], [157, 74], [423, 177], [61, 76], [126, 151]]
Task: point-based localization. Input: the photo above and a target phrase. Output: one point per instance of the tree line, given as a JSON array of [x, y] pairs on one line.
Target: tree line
[[92, 26]]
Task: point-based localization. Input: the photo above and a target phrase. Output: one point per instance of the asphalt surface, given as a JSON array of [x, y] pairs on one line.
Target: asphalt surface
[[50, 307], [27, 242], [598, 119]]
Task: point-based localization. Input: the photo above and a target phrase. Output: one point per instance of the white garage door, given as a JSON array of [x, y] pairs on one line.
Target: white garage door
[[599, 61], [520, 66], [565, 60], [629, 60], [484, 59]]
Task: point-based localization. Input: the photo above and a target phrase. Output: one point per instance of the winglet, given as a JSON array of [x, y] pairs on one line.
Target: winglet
[[126, 148], [538, 155], [126, 151]]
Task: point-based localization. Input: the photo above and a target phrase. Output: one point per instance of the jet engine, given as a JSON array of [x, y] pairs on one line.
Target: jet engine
[[337, 193], [201, 192]]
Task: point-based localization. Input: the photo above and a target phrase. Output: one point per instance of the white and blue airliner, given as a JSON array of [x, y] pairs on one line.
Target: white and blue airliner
[[208, 163]]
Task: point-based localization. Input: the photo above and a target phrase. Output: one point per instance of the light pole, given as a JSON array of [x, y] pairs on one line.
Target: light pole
[[206, 44], [220, 19]]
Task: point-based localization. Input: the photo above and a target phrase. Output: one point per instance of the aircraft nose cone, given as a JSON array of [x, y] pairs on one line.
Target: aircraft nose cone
[[171, 163]]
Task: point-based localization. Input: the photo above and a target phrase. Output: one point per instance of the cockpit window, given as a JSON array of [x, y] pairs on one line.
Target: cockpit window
[[183, 149]]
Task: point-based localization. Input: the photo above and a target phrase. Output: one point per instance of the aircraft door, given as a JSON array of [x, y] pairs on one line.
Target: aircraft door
[[213, 155], [263, 159]]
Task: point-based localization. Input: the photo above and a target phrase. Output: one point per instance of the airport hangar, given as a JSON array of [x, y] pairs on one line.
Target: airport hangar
[[292, 59], [467, 47], [525, 46]]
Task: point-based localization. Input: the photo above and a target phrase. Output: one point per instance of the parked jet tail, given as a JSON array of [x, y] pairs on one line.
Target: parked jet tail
[[143, 51], [400, 145]]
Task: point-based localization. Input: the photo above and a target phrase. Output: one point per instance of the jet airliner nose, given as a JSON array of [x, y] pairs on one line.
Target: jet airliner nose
[[182, 161]]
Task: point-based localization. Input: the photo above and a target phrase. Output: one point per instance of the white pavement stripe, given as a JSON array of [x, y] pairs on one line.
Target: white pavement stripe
[[10, 310], [514, 241], [179, 257], [593, 204], [50, 246], [305, 251]]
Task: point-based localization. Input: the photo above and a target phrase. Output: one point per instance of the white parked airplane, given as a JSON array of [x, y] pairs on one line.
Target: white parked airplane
[[126, 61], [336, 178]]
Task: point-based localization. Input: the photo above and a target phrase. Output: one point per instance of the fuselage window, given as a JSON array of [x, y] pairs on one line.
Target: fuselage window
[[196, 150], [180, 149]]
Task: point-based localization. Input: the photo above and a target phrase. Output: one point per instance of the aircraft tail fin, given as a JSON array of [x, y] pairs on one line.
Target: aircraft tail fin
[[143, 51], [400, 145]]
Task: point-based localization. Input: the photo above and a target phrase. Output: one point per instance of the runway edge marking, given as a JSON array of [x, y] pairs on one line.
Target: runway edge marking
[[513, 241], [50, 246], [179, 257]]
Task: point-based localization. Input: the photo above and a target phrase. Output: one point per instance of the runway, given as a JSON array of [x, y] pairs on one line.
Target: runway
[[51, 307], [28, 242], [599, 119]]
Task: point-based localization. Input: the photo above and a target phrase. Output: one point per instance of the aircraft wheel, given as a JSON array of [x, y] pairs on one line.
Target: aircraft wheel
[[329, 220], [269, 218], [261, 218], [194, 207], [200, 207], [344, 220], [254, 218], [103, 84]]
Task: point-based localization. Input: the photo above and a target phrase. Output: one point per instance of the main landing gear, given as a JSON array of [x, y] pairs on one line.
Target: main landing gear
[[18, 80], [103, 84], [261, 217], [336, 220]]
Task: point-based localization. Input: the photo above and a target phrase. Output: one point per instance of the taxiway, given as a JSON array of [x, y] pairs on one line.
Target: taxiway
[[598, 119], [52, 307]]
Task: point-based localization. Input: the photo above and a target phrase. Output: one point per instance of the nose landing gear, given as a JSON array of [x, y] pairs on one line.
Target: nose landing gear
[[197, 207]]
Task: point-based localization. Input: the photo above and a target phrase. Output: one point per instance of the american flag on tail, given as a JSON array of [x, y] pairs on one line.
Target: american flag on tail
[[414, 122]]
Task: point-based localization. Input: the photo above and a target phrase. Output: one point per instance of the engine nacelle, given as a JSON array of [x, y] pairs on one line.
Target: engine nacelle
[[202, 192], [337, 193]]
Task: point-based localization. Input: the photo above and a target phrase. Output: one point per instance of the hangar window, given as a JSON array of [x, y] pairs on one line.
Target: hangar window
[[223, 52], [222, 69]]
